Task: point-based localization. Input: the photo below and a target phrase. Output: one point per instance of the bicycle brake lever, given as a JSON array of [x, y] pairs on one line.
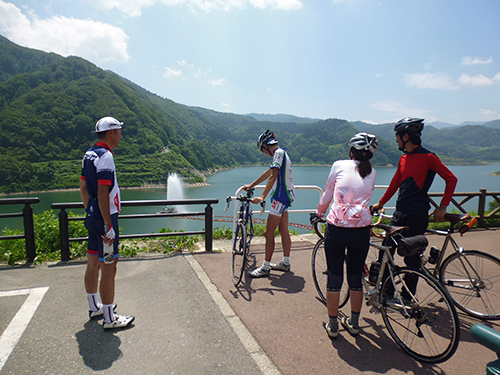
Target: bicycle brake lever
[[228, 201], [263, 205], [313, 218]]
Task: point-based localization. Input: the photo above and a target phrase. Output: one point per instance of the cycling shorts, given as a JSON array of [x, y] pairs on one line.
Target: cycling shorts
[[96, 230], [277, 208]]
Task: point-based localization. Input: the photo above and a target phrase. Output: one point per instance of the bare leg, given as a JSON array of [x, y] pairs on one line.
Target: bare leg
[[356, 301], [92, 274], [107, 286], [272, 223], [332, 302], [286, 240]]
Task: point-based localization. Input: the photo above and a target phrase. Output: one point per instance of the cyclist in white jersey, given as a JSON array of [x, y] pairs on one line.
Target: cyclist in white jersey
[[280, 186]]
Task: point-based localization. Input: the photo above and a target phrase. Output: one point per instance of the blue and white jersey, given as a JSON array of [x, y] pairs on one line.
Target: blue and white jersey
[[282, 190], [98, 168]]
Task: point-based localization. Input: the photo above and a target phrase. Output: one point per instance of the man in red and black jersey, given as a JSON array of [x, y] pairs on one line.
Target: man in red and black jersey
[[414, 176]]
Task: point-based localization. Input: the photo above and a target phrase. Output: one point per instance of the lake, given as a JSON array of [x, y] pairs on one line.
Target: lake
[[224, 183]]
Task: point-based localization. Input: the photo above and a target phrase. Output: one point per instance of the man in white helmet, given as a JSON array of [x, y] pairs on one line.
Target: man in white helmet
[[101, 197]]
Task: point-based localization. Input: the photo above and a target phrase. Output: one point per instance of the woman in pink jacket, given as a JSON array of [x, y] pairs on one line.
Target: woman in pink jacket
[[350, 186]]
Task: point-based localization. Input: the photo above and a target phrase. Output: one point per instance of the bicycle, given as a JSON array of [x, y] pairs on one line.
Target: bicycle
[[423, 323], [319, 266], [472, 277], [243, 233]]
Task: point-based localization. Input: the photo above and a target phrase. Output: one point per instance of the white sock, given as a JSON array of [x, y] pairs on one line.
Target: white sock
[[94, 303], [109, 314], [286, 261], [266, 265]]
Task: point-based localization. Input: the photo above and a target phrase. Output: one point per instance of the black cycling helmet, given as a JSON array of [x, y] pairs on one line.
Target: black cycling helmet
[[409, 125], [266, 138]]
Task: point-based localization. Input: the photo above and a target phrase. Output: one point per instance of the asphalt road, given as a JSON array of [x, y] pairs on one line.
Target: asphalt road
[[190, 319]]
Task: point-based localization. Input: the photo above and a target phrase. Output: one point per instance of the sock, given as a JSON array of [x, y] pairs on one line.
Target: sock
[[286, 261], [266, 265], [94, 304], [109, 314], [334, 323], [355, 319]]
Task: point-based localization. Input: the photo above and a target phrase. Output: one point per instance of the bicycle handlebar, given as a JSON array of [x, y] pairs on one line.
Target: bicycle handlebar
[[247, 198]]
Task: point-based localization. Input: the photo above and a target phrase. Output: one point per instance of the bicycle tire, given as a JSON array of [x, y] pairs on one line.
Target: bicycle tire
[[320, 274], [240, 249], [473, 283], [431, 331]]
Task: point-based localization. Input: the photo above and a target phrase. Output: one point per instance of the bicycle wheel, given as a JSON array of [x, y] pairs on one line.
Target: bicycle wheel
[[320, 274], [239, 253], [473, 280], [427, 327]]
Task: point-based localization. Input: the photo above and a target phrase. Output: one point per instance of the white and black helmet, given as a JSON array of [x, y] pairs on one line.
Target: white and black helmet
[[266, 138], [364, 142]]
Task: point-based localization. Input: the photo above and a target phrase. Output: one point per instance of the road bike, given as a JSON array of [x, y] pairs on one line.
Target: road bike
[[416, 309], [472, 277], [243, 233], [319, 266]]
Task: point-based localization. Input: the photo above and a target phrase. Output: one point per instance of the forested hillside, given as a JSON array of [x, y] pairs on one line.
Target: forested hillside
[[49, 105]]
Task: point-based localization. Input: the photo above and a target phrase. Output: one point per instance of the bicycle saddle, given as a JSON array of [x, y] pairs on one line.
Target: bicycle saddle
[[456, 218], [391, 229]]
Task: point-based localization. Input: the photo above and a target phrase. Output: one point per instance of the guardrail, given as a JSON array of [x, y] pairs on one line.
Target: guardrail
[[208, 213], [481, 206], [29, 229]]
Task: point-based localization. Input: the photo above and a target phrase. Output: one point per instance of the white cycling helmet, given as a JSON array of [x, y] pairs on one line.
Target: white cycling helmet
[[364, 142], [266, 138]]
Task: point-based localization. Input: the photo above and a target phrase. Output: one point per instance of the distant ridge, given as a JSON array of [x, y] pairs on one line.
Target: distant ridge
[[280, 117]]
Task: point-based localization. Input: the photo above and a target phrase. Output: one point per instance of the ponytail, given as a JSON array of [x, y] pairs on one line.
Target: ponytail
[[365, 166]]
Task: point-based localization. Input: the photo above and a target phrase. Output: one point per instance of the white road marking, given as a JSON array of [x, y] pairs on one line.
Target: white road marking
[[258, 354], [16, 328]]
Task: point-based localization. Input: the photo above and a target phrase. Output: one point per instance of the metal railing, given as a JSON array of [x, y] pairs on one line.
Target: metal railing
[[29, 228], [64, 220], [481, 195]]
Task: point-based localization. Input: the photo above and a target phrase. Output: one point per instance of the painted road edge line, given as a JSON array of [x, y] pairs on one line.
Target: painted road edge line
[[16, 328], [260, 357]]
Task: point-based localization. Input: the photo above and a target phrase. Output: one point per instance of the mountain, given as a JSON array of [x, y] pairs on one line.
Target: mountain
[[471, 123], [493, 124], [442, 125], [280, 117], [49, 105]]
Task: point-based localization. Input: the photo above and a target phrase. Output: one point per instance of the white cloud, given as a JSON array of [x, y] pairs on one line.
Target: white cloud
[[479, 80], [186, 71], [134, 8], [474, 61], [398, 110], [225, 104], [169, 73], [94, 41], [489, 115], [434, 81], [218, 82]]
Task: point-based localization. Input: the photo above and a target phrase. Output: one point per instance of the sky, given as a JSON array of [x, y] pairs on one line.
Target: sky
[[359, 60]]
